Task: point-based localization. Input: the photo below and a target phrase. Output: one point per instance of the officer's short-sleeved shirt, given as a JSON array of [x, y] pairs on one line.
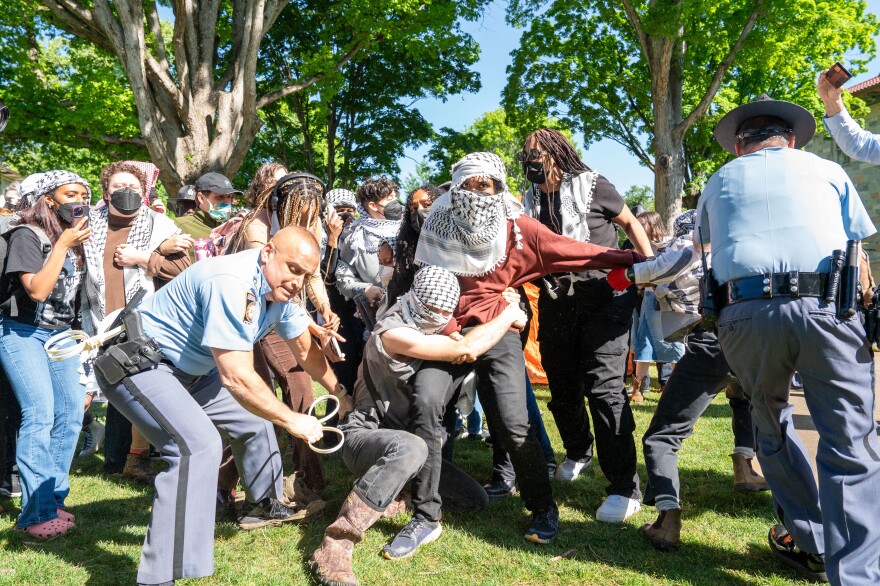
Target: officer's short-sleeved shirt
[[778, 210], [217, 303]]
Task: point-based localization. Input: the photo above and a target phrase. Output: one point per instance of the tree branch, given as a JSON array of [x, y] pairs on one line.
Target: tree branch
[[636, 23], [278, 94], [709, 95], [156, 29], [79, 21]]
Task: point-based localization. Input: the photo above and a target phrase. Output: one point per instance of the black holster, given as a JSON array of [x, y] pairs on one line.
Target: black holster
[[132, 352]]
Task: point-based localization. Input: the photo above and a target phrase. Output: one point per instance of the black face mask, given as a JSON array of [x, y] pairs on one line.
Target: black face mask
[[126, 200], [535, 172], [72, 213], [393, 210], [417, 219]]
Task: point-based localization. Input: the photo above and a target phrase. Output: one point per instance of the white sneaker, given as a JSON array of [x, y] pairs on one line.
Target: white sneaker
[[94, 437], [617, 509], [571, 469]]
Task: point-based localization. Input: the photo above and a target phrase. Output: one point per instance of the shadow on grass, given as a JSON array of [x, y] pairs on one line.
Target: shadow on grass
[[102, 526]]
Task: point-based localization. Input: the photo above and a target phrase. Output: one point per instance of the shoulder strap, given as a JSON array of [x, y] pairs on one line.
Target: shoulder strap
[[371, 387]]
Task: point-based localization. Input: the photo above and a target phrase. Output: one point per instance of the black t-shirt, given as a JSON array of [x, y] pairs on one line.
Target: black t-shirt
[[605, 205], [25, 255]]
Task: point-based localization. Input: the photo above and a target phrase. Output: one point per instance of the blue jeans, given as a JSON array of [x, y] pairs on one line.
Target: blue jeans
[[51, 400]]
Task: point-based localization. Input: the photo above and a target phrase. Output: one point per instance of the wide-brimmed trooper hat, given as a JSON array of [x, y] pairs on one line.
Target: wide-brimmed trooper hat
[[800, 120]]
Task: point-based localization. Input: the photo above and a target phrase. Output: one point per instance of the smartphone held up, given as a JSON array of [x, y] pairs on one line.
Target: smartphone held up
[[837, 75]]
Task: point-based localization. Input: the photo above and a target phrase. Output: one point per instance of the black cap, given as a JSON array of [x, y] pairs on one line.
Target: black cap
[[216, 182], [186, 193]]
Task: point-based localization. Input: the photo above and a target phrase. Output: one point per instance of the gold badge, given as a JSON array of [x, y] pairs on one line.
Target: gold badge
[[250, 307]]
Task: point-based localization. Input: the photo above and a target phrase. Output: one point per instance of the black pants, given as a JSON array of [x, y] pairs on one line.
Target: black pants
[[583, 351], [10, 421], [117, 441], [502, 394]]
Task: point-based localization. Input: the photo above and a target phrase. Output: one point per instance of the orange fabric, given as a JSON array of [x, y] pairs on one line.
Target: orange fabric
[[533, 354]]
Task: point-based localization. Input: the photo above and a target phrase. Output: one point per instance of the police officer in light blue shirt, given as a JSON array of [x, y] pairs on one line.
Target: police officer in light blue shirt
[[206, 322], [773, 217]]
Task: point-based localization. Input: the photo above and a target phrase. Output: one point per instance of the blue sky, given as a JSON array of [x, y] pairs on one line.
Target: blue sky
[[496, 41]]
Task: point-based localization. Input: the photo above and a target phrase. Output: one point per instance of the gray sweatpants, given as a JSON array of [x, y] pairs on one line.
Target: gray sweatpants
[[184, 417], [765, 341]]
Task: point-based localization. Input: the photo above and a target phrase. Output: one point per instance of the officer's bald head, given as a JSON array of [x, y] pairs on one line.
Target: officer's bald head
[[289, 257]]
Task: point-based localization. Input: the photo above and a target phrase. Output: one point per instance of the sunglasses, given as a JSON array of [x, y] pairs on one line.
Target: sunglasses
[[531, 155]]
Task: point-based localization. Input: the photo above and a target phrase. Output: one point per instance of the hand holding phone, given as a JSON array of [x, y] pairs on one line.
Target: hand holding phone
[[837, 75]]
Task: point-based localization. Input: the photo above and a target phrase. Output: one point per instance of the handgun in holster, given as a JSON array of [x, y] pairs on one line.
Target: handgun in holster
[[709, 306], [132, 351]]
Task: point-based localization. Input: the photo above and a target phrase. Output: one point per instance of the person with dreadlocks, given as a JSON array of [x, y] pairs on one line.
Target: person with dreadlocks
[[377, 446], [294, 199], [477, 231], [579, 310]]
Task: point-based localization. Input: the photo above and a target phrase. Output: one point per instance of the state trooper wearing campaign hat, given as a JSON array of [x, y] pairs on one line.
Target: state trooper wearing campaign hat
[[773, 217]]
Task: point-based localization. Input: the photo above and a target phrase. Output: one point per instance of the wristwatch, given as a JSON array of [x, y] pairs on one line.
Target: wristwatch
[[343, 391]]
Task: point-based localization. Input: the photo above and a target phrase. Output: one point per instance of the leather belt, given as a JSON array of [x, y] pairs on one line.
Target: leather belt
[[769, 285]]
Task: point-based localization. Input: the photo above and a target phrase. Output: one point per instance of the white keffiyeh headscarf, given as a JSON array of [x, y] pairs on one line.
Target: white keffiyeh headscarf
[[466, 231], [39, 184], [365, 236], [575, 197], [434, 287]]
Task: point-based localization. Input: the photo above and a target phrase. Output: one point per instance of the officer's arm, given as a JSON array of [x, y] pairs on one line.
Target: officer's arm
[[239, 377], [478, 341]]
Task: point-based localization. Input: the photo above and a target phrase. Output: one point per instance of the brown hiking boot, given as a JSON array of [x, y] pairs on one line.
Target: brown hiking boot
[[331, 563], [637, 388], [745, 479], [298, 494], [664, 533], [402, 503], [137, 467]]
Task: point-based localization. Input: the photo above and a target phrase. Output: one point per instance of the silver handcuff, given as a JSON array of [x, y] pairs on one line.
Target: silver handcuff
[[324, 419]]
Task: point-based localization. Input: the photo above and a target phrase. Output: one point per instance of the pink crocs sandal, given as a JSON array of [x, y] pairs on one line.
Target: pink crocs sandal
[[48, 529], [65, 516]]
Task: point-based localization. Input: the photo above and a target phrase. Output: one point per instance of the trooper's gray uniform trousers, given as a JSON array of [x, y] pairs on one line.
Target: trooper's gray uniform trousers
[[765, 341], [185, 417]]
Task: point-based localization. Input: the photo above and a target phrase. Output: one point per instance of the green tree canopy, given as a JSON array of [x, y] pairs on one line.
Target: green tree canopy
[[655, 75]]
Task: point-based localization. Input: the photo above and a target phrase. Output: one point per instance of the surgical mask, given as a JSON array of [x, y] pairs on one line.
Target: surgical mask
[[126, 200], [535, 172], [385, 274], [417, 219], [393, 210], [71, 213], [220, 212]]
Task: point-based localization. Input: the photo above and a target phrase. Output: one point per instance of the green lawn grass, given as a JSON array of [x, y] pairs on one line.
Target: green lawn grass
[[723, 539]]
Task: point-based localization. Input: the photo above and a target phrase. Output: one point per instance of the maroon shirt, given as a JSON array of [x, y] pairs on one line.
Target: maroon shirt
[[543, 252]]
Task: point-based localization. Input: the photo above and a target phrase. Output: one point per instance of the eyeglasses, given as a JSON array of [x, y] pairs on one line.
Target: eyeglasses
[[531, 155]]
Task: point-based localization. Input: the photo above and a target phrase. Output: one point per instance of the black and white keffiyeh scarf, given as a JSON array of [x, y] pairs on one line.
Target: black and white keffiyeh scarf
[[575, 197], [44, 183], [434, 287], [366, 235], [341, 198], [148, 231], [466, 231]]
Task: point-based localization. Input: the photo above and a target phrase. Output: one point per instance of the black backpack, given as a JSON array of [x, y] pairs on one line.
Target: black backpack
[[8, 304]]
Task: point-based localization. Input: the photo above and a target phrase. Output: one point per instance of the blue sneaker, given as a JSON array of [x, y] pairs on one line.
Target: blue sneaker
[[544, 526], [419, 531]]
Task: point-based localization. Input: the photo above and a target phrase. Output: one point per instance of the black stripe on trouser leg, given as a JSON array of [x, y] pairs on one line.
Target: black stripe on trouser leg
[[183, 475]]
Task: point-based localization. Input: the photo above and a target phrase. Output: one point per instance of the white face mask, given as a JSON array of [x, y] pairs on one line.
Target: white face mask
[[385, 274]]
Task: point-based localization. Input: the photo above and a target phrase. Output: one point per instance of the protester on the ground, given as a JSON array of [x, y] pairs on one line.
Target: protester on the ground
[[477, 231], [647, 339], [131, 246], [777, 322], [213, 195], [700, 375], [377, 447], [584, 331], [206, 322], [43, 270]]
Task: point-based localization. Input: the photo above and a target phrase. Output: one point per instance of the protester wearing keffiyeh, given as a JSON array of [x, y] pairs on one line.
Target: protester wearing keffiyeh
[[466, 231], [50, 181]]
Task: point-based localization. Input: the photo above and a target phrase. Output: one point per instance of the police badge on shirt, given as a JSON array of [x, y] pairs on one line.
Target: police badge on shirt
[[250, 308]]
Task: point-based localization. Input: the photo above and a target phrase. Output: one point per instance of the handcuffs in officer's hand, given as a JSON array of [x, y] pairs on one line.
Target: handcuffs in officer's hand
[[324, 419]]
